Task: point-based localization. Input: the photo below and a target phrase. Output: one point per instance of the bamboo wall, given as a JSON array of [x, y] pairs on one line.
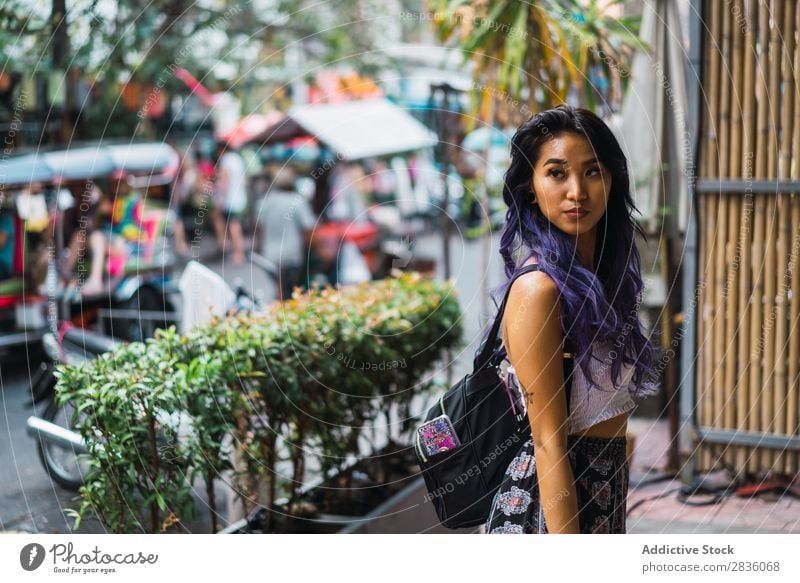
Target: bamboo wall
[[748, 321]]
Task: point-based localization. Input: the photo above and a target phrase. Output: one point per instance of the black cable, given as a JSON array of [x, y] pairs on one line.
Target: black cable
[[643, 500], [717, 493]]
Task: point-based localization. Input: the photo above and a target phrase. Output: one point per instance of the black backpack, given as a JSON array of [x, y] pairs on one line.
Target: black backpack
[[462, 482]]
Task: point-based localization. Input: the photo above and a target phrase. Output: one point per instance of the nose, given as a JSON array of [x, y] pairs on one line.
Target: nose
[[577, 192]]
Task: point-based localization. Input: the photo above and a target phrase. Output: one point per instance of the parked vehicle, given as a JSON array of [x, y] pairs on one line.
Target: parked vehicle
[[135, 298], [61, 448]]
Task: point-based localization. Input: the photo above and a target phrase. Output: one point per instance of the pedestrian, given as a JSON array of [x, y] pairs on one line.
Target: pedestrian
[[286, 221], [80, 226], [348, 193], [7, 236], [183, 193], [571, 212], [383, 183], [231, 199]]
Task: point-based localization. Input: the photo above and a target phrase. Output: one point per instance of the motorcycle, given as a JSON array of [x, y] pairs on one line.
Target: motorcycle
[[61, 449]]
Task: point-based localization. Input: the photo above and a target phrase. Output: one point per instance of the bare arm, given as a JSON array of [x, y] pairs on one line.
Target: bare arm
[[534, 342]]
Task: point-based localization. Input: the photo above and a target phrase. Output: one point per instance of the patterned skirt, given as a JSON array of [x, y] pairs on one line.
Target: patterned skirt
[[600, 467]]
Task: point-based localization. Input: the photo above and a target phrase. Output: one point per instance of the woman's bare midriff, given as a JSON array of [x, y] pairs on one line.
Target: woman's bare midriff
[[614, 427]]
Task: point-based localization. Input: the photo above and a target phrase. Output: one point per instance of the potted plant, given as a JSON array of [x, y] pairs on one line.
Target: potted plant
[[270, 398]]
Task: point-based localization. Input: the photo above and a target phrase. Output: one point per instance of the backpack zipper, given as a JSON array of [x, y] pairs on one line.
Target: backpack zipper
[[419, 448]]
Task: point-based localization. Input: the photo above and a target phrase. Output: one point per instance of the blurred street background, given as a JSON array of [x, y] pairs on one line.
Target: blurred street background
[[173, 162]]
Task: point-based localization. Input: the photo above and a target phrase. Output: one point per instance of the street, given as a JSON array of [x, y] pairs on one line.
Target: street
[[30, 502]]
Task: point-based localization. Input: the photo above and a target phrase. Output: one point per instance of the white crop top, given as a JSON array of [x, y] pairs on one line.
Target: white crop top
[[590, 405]]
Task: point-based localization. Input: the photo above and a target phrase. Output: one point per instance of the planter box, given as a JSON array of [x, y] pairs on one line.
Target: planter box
[[386, 494], [407, 512]]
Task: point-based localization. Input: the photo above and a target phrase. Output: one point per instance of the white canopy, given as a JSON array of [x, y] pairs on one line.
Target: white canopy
[[360, 129]]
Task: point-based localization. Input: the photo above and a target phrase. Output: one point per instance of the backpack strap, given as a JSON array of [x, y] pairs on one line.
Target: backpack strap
[[488, 348], [487, 351]]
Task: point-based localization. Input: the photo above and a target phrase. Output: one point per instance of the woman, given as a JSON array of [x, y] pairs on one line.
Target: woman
[[570, 212], [117, 233]]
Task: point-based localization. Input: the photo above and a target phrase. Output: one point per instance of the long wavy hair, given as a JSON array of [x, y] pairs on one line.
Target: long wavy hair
[[595, 307]]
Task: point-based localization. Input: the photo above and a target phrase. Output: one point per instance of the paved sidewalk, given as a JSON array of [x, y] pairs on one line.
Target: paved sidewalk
[[666, 514]]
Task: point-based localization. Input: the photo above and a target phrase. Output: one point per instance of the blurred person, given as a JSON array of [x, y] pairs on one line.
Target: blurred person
[[125, 217], [7, 233], [286, 220], [468, 166], [32, 209], [185, 186], [118, 232], [231, 199], [81, 224], [37, 230], [383, 182], [347, 188]]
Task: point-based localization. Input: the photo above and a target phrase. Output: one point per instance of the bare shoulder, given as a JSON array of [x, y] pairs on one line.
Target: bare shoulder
[[534, 288], [532, 312]]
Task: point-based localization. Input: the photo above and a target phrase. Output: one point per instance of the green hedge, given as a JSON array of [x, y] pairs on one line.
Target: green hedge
[[309, 373]]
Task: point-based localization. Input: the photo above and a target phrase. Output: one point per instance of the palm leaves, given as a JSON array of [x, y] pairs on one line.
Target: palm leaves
[[541, 49]]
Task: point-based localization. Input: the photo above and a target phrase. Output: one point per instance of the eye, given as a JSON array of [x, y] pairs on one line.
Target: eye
[[555, 173], [595, 171]]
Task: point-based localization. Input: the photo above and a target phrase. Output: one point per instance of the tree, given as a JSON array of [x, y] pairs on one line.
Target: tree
[[129, 49], [540, 49], [534, 52]]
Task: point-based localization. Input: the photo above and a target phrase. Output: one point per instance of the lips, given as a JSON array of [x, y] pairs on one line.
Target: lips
[[577, 212]]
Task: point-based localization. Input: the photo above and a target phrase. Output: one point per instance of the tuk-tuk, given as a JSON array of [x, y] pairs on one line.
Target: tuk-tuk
[[134, 298], [348, 134]]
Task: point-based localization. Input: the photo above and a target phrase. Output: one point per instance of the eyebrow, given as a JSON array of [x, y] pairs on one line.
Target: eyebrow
[[561, 161]]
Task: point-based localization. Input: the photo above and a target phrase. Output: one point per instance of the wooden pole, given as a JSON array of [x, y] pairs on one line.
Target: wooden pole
[[762, 83], [783, 386], [737, 91], [703, 391], [706, 123], [762, 160], [784, 221], [788, 103], [792, 414], [699, 453], [717, 66], [724, 120], [718, 297], [716, 9], [774, 97], [794, 172], [699, 399], [756, 323], [730, 146], [773, 268], [721, 250], [731, 305], [771, 272], [745, 235]]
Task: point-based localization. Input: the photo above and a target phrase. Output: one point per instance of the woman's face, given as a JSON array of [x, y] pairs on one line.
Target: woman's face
[[567, 175]]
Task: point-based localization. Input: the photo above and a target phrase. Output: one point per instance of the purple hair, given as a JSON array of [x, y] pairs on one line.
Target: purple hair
[[594, 307]]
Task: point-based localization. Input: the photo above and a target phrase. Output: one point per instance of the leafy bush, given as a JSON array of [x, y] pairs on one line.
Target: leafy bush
[[308, 376]]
